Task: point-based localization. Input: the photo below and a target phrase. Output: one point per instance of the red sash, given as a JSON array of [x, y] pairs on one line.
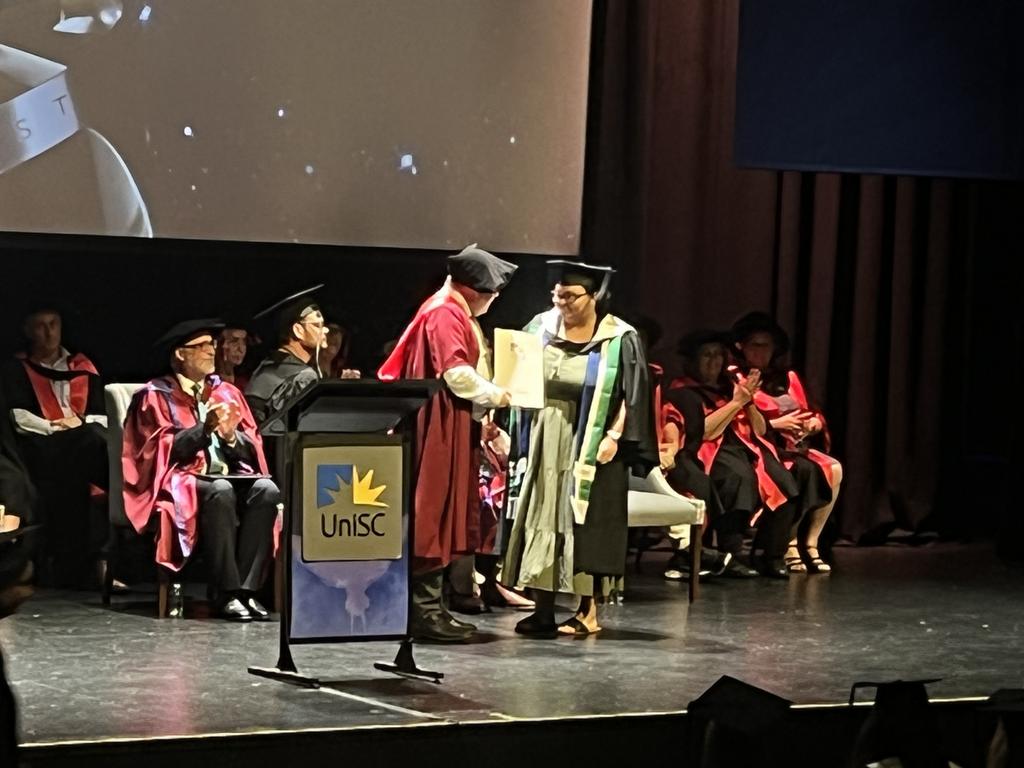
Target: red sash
[[42, 386]]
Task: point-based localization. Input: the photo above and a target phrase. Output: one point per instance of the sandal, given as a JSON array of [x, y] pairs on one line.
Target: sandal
[[579, 629], [793, 562], [814, 562]]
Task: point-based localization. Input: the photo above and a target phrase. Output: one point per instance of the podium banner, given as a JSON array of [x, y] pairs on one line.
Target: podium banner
[[349, 569]]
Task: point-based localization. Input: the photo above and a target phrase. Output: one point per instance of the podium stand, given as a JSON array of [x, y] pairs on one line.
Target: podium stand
[[343, 454]]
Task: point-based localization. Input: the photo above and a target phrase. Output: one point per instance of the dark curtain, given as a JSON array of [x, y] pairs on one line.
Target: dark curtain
[[872, 276]]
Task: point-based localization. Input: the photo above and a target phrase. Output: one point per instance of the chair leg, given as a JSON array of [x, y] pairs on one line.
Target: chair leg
[[163, 591], [695, 543]]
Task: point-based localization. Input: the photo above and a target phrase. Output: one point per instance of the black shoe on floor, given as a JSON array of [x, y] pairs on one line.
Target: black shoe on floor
[[436, 628], [469, 604], [773, 568], [464, 626], [739, 570], [259, 613], [234, 610], [533, 626]]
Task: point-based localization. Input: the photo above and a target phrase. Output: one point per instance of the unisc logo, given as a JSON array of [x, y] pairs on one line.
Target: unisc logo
[[348, 503]]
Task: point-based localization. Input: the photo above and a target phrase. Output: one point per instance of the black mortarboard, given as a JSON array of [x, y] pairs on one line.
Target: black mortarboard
[[901, 725], [480, 270], [291, 309], [899, 693], [739, 706], [593, 277], [761, 322], [179, 334], [691, 343], [1005, 701]]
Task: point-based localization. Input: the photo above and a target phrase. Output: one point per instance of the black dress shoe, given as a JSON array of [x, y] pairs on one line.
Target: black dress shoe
[[259, 613], [465, 626], [436, 628], [773, 568], [234, 610], [470, 604], [533, 626], [738, 570]]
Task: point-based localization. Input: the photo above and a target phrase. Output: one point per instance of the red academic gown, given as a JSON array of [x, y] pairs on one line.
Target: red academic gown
[[772, 496], [795, 399], [446, 454], [155, 486]]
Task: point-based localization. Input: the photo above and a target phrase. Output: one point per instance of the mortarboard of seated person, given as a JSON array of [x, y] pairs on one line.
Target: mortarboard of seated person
[[193, 460], [54, 398], [15, 588], [298, 333]]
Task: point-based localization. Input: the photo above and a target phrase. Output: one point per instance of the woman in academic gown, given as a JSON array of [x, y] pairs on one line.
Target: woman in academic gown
[[796, 427], [571, 474]]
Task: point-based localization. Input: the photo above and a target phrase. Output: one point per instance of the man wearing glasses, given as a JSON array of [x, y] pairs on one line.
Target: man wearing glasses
[[193, 459], [291, 367]]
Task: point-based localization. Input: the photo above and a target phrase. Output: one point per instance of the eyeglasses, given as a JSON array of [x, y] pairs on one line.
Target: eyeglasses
[[201, 345], [567, 298]]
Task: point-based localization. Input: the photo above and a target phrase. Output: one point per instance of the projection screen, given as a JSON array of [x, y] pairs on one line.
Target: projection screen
[[400, 123]]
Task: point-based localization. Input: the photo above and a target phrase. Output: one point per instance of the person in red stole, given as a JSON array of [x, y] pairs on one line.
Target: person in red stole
[[55, 401], [796, 427], [719, 453], [194, 467], [444, 341]]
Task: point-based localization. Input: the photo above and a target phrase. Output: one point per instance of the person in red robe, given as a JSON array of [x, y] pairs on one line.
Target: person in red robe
[[54, 399], [800, 434], [194, 467], [444, 341]]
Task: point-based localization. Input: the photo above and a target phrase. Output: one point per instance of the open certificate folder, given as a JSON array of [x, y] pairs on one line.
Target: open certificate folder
[[519, 366]]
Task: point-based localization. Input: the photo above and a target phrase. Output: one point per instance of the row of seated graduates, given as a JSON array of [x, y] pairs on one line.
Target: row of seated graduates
[[738, 431], [54, 459]]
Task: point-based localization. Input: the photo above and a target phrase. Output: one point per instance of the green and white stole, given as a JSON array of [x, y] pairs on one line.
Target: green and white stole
[[604, 359]]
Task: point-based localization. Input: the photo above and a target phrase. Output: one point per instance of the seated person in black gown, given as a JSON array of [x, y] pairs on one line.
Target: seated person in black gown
[[719, 453], [194, 466], [299, 325], [55, 401]]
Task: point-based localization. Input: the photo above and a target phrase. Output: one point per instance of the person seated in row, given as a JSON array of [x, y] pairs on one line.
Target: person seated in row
[[232, 347], [333, 357], [193, 461], [716, 433], [55, 400], [293, 366], [796, 427]]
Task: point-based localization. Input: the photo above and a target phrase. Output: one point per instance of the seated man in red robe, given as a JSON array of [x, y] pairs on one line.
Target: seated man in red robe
[[444, 341], [55, 402], [193, 463]]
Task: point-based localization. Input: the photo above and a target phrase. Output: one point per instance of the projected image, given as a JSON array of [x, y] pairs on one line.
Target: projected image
[[358, 122]]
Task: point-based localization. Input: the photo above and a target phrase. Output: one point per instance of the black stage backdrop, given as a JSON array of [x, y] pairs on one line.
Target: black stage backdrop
[[896, 291]]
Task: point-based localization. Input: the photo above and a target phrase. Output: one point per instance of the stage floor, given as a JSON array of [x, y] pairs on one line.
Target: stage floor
[[85, 672]]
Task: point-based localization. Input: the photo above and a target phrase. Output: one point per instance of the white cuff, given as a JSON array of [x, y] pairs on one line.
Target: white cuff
[[28, 422], [465, 382]]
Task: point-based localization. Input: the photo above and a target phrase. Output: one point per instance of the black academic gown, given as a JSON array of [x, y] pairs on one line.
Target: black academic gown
[[275, 381]]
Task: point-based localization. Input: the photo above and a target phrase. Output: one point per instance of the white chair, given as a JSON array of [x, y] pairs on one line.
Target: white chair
[[652, 503], [117, 398]]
